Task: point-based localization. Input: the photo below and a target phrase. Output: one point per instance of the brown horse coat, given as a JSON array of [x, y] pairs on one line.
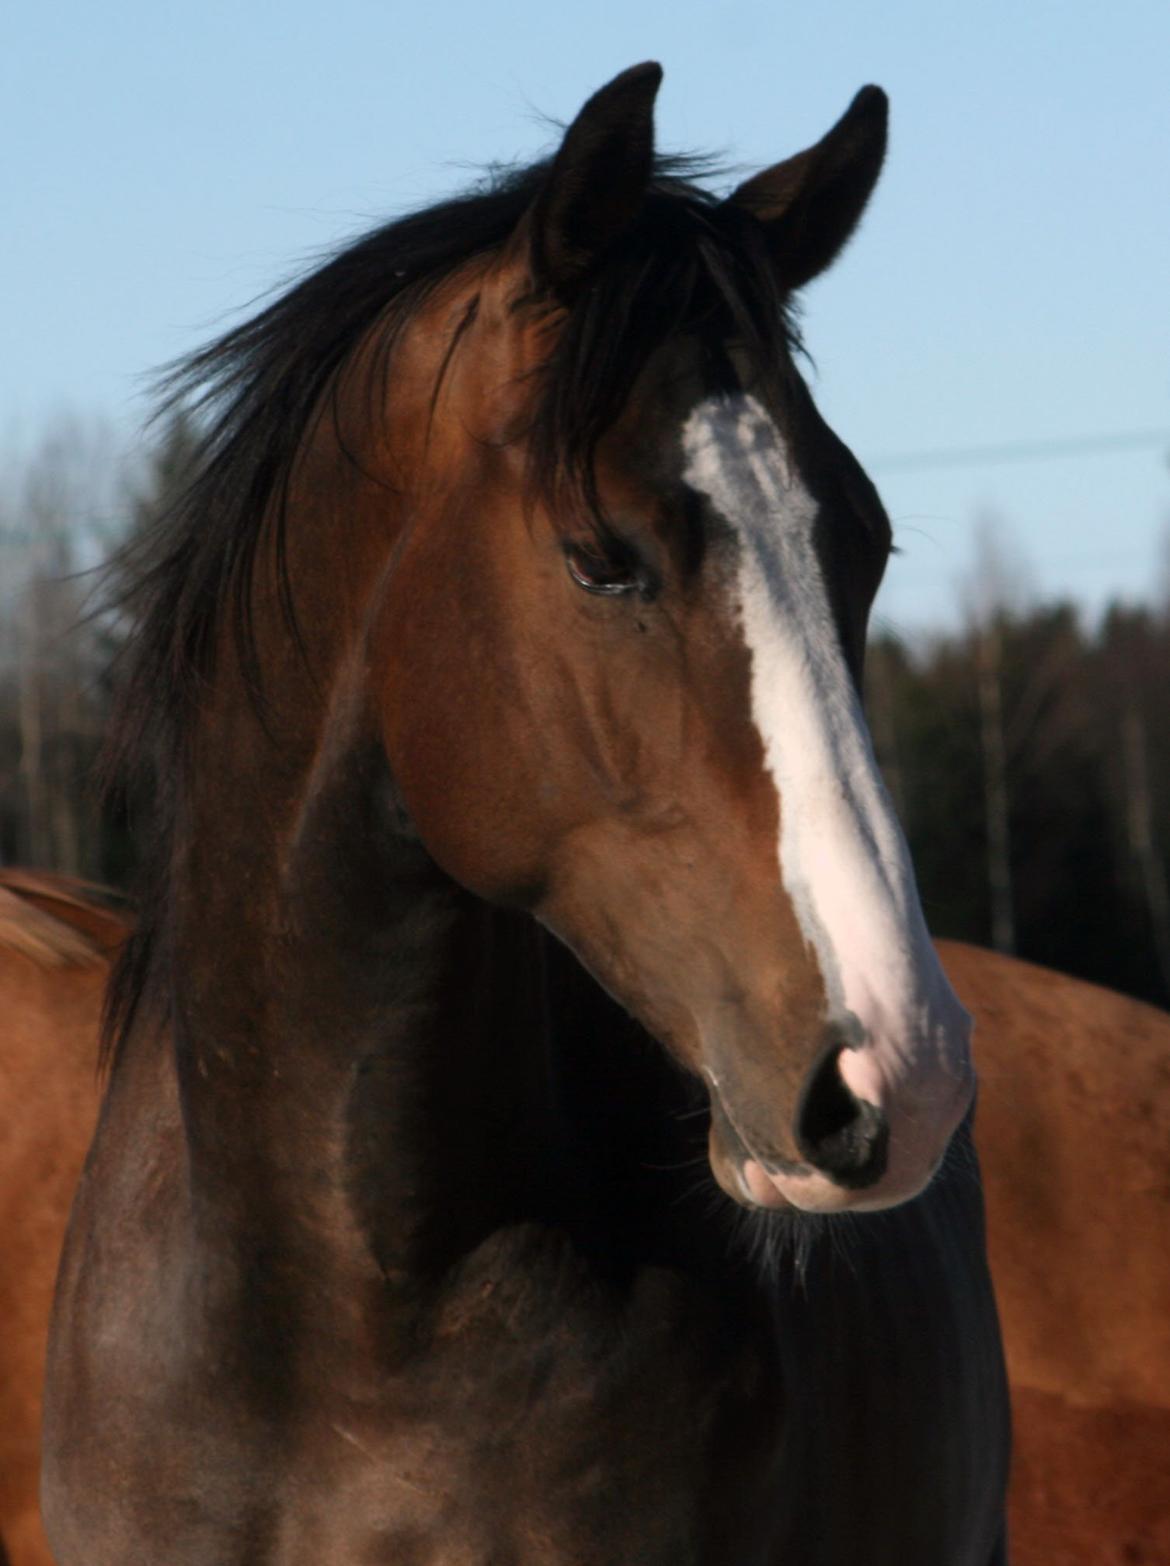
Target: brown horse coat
[[55, 945], [1073, 1130]]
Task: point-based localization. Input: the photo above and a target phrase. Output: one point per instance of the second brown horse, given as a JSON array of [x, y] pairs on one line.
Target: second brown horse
[[56, 943]]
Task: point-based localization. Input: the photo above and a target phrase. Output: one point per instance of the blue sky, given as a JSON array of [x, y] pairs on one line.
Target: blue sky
[[165, 164]]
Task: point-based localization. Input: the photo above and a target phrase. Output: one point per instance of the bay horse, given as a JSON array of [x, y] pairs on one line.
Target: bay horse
[[518, 852], [55, 946]]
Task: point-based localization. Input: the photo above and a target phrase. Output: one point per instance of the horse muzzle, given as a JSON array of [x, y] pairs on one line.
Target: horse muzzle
[[866, 1137]]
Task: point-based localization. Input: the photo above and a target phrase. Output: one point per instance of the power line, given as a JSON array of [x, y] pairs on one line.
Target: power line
[[1020, 451]]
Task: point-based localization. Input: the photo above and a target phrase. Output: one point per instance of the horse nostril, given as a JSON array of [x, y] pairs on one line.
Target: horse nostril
[[841, 1135]]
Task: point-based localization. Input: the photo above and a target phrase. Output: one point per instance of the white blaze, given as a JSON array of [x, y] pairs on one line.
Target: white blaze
[[843, 859]]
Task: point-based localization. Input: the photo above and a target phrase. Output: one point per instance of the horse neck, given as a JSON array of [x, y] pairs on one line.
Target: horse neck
[[375, 1061], [372, 1061], [360, 1044]]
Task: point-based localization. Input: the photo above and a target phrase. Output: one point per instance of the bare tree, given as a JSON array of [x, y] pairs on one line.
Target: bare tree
[[55, 506], [996, 587], [1143, 845]]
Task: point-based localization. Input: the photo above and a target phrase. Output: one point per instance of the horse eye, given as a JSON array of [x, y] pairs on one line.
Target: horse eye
[[598, 572]]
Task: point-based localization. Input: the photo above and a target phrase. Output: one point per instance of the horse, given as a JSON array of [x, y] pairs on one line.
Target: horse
[[56, 941], [1073, 1130], [518, 862]]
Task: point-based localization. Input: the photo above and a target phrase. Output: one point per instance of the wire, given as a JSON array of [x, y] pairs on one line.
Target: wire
[[1020, 451]]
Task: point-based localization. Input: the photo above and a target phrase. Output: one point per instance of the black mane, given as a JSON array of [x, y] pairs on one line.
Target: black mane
[[690, 263]]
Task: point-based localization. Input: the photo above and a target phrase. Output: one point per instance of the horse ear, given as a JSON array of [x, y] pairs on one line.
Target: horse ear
[[809, 205], [598, 180]]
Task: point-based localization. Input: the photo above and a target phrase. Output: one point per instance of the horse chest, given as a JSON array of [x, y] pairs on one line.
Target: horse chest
[[534, 1412], [548, 1421]]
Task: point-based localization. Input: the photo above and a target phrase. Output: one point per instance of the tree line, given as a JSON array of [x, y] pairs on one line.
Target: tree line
[[1027, 750], [1028, 756]]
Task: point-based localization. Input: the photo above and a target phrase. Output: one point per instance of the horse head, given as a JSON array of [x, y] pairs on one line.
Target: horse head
[[631, 587]]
